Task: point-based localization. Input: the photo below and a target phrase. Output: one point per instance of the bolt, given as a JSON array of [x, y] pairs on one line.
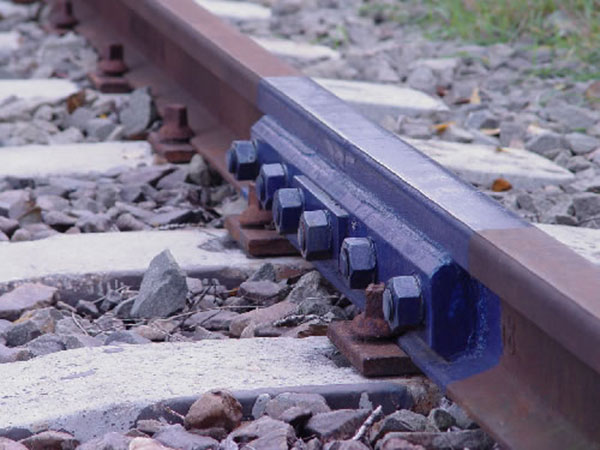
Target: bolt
[[175, 124], [270, 178], [314, 234], [288, 204], [357, 262], [62, 14], [370, 324], [403, 303], [113, 62], [242, 160]]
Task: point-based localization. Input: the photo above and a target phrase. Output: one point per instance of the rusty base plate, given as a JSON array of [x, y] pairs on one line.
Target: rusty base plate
[[109, 85], [371, 358], [173, 152], [258, 241]]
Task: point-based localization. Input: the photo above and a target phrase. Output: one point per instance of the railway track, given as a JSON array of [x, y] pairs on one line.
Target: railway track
[[501, 316]]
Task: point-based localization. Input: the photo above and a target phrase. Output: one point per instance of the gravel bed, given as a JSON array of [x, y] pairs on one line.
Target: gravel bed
[[169, 307], [493, 93], [159, 197], [289, 420]]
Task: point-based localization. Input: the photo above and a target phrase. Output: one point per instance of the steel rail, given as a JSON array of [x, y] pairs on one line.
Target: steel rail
[[501, 316]]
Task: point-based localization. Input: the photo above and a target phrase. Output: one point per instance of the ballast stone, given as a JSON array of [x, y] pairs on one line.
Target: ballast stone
[[163, 289]]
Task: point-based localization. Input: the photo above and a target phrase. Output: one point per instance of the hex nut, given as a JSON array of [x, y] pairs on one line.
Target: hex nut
[[358, 262], [314, 234], [242, 160], [270, 178], [403, 303], [288, 204]]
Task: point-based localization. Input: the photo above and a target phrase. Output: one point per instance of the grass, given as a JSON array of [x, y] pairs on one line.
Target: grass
[[573, 25]]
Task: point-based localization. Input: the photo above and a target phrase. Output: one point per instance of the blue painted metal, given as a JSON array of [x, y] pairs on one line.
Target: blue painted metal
[[358, 262], [359, 181], [402, 303], [242, 160]]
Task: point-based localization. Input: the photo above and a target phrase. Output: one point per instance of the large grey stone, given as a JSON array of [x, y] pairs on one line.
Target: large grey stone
[[163, 289], [402, 420], [24, 297], [571, 116], [545, 141], [46, 344], [175, 436], [276, 406], [587, 205], [580, 143], [139, 113], [339, 424], [110, 441], [471, 439]]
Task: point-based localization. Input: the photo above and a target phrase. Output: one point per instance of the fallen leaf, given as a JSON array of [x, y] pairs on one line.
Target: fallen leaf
[[74, 101], [500, 149], [475, 99], [501, 185], [441, 127], [592, 93]]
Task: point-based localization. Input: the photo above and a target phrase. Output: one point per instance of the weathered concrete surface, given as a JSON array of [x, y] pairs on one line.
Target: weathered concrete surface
[[81, 392], [42, 160], [296, 50], [585, 241], [236, 10], [103, 258], [379, 100], [52, 90], [482, 164]]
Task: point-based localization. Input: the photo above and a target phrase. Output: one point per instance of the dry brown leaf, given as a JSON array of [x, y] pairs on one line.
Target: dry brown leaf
[[501, 185], [592, 93], [475, 99], [500, 149], [74, 101], [441, 127]]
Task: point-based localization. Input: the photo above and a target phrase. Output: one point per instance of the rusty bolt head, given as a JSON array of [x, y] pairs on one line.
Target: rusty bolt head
[[61, 15], [357, 262], [314, 234], [175, 124], [402, 303], [270, 178], [288, 204], [112, 62], [242, 160]]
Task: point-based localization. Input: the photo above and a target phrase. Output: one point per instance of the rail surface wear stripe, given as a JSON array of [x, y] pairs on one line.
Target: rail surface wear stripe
[[504, 303]]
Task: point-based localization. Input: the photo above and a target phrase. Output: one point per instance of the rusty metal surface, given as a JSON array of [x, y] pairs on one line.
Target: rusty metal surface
[[372, 358], [548, 394], [370, 324], [258, 241]]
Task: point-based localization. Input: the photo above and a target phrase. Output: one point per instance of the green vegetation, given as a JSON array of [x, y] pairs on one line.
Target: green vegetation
[[573, 25]]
